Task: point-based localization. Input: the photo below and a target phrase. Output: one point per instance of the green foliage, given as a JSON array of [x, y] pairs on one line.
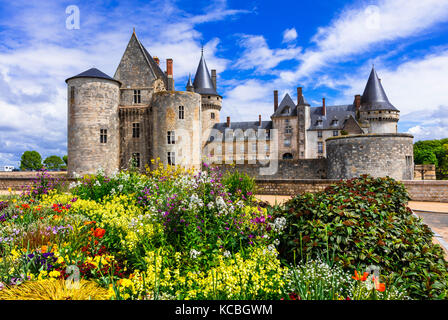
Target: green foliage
[[344, 133], [433, 152], [53, 163], [65, 158], [363, 222], [31, 160], [239, 184]]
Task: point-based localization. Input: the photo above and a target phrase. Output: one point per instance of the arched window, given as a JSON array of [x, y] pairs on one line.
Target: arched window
[[287, 156]]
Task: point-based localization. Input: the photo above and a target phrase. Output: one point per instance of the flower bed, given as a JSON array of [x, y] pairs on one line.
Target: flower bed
[[169, 234]]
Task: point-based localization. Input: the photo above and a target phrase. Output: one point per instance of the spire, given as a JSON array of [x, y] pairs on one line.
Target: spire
[[374, 96], [190, 84], [203, 83]]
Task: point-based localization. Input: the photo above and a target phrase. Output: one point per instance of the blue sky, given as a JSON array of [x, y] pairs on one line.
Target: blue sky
[[328, 47]]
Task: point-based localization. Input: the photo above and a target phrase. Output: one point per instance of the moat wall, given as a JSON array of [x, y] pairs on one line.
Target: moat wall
[[426, 190]]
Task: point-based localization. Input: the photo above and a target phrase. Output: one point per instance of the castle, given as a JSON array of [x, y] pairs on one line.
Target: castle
[[137, 116]]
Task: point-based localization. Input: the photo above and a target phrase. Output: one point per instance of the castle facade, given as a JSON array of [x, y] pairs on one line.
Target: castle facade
[[136, 116]]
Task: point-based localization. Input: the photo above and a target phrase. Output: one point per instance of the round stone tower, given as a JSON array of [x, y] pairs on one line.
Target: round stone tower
[[376, 110], [211, 101], [93, 125], [177, 128]]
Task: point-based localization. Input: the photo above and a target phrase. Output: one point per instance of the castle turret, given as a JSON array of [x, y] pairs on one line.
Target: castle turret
[[190, 86], [376, 109], [93, 126], [211, 101]]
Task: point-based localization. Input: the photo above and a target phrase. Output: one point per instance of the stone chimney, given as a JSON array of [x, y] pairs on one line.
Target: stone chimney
[[357, 102], [324, 108], [299, 94], [214, 78], [228, 122], [275, 100], [157, 60], [169, 73], [259, 120]]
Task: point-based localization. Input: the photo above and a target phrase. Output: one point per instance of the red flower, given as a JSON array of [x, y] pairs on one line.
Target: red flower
[[99, 233], [362, 278]]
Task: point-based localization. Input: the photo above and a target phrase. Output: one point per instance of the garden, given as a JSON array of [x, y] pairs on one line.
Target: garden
[[175, 234]]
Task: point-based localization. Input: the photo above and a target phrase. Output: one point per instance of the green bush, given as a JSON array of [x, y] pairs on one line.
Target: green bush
[[363, 222], [239, 184]]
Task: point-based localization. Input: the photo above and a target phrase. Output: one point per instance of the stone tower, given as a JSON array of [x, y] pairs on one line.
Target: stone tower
[[375, 108], [303, 120], [93, 126], [211, 101]]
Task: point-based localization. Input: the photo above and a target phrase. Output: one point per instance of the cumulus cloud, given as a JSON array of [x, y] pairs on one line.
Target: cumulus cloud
[[257, 54], [289, 35]]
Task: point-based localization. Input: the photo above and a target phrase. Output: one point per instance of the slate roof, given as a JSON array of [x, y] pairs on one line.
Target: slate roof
[[155, 68], [286, 108], [374, 96], [267, 125], [203, 83], [93, 73], [189, 83], [339, 113]]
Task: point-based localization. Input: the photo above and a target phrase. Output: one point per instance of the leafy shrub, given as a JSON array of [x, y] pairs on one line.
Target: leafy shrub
[[42, 185], [366, 221], [239, 184]]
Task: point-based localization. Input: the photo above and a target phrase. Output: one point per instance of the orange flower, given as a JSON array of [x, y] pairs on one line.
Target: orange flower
[[362, 278], [99, 233], [381, 287], [44, 249], [89, 222]]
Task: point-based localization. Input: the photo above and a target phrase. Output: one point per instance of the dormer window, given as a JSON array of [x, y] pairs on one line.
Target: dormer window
[[334, 122], [286, 110], [319, 122]]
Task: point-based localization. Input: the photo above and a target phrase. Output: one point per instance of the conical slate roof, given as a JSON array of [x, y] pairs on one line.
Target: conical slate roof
[[189, 83], [287, 102], [203, 83], [374, 97], [93, 73], [302, 101]]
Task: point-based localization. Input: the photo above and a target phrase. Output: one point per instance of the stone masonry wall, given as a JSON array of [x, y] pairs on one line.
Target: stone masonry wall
[[376, 154]]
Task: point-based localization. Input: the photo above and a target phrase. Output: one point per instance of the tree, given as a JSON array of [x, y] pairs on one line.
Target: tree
[[53, 163], [65, 158], [31, 160], [433, 152]]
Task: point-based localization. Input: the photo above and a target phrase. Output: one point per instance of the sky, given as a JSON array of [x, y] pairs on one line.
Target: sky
[[256, 46]]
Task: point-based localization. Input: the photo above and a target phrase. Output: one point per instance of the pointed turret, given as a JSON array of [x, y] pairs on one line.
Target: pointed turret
[[203, 83], [374, 97], [190, 86]]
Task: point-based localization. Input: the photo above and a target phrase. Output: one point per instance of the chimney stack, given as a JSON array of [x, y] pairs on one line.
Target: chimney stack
[[228, 122], [157, 60], [214, 78], [324, 109], [169, 73], [299, 94], [275, 100], [358, 102], [259, 120]]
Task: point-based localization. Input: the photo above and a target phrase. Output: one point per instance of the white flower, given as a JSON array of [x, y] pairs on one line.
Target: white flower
[[97, 183], [226, 254], [194, 253]]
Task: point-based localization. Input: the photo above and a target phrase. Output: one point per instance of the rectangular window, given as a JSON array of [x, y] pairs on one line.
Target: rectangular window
[[72, 94], [287, 142], [103, 135], [335, 133], [319, 134], [136, 159], [409, 161], [171, 158], [181, 112], [136, 130], [137, 96], [288, 129], [320, 147], [254, 147], [171, 137], [212, 115], [266, 147]]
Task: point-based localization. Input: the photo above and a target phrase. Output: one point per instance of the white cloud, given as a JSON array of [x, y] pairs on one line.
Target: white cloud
[[359, 30], [289, 35], [259, 56]]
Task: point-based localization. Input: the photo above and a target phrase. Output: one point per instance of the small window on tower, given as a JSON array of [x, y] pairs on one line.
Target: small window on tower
[[212, 115], [171, 157], [72, 94], [136, 160], [171, 137], [288, 129], [319, 134], [320, 147], [181, 112], [136, 130], [335, 133], [103, 135], [137, 96]]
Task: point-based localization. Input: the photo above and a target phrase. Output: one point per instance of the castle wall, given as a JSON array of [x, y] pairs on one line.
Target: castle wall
[[376, 154], [188, 131], [93, 107], [287, 169], [131, 117]]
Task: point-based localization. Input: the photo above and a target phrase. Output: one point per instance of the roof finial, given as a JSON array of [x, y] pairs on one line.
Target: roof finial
[[133, 30], [202, 50]]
